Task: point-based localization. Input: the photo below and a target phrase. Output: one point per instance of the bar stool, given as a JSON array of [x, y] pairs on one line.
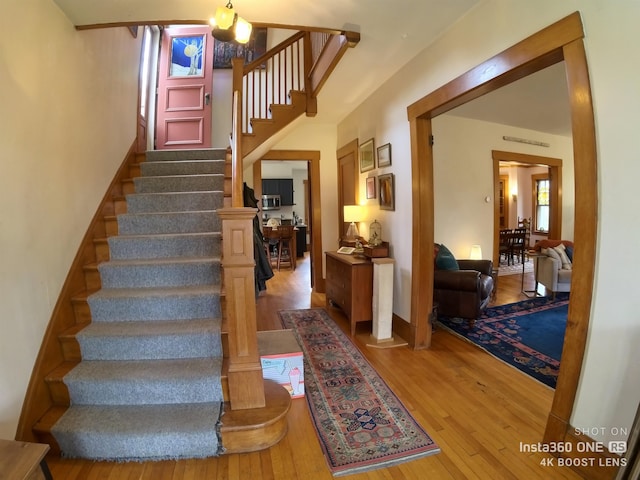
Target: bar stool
[[287, 248], [271, 241]]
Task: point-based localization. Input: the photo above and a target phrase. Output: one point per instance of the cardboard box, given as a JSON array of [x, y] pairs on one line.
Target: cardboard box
[[281, 359]]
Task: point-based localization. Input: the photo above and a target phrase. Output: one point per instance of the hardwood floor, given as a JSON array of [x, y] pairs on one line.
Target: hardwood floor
[[477, 409]]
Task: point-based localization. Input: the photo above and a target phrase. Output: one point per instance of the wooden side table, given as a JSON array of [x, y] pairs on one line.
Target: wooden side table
[[349, 285], [23, 460]]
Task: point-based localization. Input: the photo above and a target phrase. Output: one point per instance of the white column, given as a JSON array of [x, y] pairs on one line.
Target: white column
[[382, 298]]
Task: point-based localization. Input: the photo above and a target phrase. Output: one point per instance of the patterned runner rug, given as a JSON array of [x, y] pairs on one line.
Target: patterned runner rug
[[527, 335], [360, 422]]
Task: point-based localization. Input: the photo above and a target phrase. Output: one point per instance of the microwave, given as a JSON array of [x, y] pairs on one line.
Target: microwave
[[270, 202]]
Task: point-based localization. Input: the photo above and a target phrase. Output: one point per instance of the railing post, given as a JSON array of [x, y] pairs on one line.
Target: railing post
[[236, 134], [246, 385], [312, 101]]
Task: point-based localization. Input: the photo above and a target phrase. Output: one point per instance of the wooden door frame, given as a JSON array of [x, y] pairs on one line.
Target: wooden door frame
[[555, 173], [562, 40], [345, 150], [312, 157]]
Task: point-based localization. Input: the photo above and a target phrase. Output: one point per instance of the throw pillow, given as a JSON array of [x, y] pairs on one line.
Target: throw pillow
[[569, 250], [566, 263], [445, 259], [550, 252]]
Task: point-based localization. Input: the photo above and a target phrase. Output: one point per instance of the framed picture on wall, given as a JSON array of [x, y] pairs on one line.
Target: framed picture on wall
[[371, 187], [384, 155], [223, 52], [367, 156], [387, 192]]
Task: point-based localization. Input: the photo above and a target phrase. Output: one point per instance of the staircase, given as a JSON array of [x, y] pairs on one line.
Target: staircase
[[148, 382], [141, 358]]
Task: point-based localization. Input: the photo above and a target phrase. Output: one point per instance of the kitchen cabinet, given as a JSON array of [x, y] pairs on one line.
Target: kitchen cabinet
[[279, 186]]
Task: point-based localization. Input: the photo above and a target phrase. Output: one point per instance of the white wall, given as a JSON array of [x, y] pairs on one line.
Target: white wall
[[609, 388], [67, 118], [463, 179]]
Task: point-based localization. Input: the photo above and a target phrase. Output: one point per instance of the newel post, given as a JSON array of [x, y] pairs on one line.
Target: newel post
[[246, 386]]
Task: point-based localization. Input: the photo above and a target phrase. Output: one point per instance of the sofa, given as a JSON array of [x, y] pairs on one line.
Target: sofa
[[461, 288], [553, 266]]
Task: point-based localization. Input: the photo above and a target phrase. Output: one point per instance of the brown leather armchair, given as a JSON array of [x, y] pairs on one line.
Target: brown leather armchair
[[464, 293]]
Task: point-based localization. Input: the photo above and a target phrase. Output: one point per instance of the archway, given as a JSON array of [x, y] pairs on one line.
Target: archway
[[560, 41]]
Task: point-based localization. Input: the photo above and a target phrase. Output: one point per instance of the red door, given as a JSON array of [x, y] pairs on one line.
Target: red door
[[184, 89]]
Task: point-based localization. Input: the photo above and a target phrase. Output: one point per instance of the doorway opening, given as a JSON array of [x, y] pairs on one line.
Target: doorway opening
[[562, 40], [312, 206]]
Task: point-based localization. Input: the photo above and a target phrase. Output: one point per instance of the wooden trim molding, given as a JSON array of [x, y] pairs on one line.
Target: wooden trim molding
[[560, 41]]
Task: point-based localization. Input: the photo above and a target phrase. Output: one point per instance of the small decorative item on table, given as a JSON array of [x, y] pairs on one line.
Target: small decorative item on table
[[376, 248], [378, 251]]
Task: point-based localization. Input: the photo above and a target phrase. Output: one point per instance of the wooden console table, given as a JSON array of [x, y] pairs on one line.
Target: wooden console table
[[349, 285], [23, 460]]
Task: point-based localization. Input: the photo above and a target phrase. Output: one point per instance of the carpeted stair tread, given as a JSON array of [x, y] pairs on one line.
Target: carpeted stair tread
[[170, 272], [162, 339], [136, 382], [169, 222], [174, 201], [178, 303], [139, 432], [165, 245]]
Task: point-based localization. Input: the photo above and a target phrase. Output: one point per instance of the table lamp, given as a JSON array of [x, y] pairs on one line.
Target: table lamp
[[353, 214]]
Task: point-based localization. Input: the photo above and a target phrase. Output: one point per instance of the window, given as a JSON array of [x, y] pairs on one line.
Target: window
[[541, 195]]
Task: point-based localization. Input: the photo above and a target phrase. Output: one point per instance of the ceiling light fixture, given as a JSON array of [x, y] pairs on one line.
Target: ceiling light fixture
[[227, 26]]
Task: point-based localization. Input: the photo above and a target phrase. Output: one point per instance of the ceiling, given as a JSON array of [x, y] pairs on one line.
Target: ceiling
[[389, 39]]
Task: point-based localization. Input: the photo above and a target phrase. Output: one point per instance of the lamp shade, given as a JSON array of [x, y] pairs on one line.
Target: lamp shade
[[224, 17], [476, 252], [243, 30], [353, 213]]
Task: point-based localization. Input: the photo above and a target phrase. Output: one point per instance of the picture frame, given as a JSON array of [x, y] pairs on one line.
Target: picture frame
[[384, 155], [367, 156], [223, 52], [371, 187], [386, 188]]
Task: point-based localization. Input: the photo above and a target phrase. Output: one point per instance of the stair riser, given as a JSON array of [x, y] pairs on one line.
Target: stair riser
[[133, 433], [186, 183], [102, 250], [154, 308], [120, 205], [168, 246], [172, 275], [148, 348], [88, 392], [174, 202], [184, 167], [158, 223], [92, 279], [178, 155], [111, 226], [71, 351]]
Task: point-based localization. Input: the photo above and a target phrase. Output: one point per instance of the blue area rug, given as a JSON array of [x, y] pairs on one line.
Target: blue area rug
[[527, 335], [361, 424]]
